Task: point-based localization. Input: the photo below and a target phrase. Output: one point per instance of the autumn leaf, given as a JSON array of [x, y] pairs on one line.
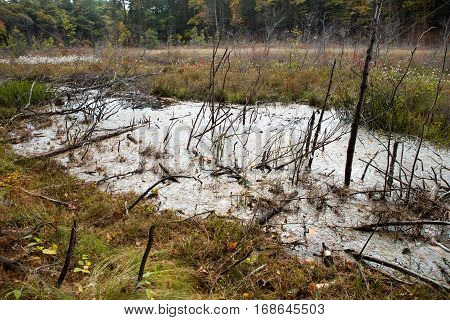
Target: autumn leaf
[[76, 270], [231, 246]]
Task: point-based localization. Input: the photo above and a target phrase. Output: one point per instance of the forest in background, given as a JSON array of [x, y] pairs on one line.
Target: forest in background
[[149, 23]]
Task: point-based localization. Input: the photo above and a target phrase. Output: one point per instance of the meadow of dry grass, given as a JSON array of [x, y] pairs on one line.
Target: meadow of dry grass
[[281, 73]]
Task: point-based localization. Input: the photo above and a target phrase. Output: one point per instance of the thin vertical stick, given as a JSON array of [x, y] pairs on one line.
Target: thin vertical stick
[[322, 111], [390, 178], [151, 235], [72, 241], [392, 103], [388, 164], [400, 171]]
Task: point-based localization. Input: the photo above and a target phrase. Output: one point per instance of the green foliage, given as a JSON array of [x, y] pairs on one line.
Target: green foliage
[[17, 42], [124, 34], [16, 293], [84, 265], [3, 34], [49, 43], [127, 22], [150, 39], [15, 94], [196, 37], [413, 100]]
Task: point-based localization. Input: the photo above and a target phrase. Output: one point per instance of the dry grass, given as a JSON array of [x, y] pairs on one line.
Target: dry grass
[[284, 73]]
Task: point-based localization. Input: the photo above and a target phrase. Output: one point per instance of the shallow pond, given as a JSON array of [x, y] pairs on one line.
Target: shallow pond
[[131, 162]]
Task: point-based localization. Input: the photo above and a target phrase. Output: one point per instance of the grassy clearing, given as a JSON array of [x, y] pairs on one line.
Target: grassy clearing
[[191, 259]]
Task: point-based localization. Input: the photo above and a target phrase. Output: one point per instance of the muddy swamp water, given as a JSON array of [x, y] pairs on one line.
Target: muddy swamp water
[[260, 163]]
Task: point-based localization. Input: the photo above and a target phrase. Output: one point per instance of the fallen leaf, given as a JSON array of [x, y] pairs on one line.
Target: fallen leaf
[[231, 246], [51, 251], [72, 206]]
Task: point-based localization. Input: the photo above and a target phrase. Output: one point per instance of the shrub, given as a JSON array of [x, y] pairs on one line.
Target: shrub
[[412, 102], [197, 38], [151, 39], [17, 42]]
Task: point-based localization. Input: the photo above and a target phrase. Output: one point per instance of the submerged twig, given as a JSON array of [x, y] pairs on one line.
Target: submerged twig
[[371, 227]]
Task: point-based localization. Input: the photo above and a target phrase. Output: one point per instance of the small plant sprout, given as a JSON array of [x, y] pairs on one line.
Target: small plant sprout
[[144, 280], [84, 265], [17, 293], [37, 245]]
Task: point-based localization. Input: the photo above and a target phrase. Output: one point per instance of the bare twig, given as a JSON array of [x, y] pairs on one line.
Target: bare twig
[[371, 227]]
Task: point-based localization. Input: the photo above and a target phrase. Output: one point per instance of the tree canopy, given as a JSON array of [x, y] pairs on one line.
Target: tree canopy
[[149, 22]]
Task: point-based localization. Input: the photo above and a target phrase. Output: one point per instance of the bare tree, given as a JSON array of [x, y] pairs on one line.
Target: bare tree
[[363, 88]]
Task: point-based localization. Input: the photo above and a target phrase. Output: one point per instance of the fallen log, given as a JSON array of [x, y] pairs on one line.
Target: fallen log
[[85, 142], [371, 227]]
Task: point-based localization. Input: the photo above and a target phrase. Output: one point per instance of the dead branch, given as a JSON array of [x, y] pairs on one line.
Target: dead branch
[[164, 179], [368, 164], [62, 203], [263, 219], [151, 235], [236, 263], [409, 272], [167, 173], [72, 241], [440, 245], [363, 88], [427, 119], [371, 227], [11, 265], [322, 112], [85, 142], [132, 139]]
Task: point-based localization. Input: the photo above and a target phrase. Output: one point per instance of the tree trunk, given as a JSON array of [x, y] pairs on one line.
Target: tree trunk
[[359, 106]]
